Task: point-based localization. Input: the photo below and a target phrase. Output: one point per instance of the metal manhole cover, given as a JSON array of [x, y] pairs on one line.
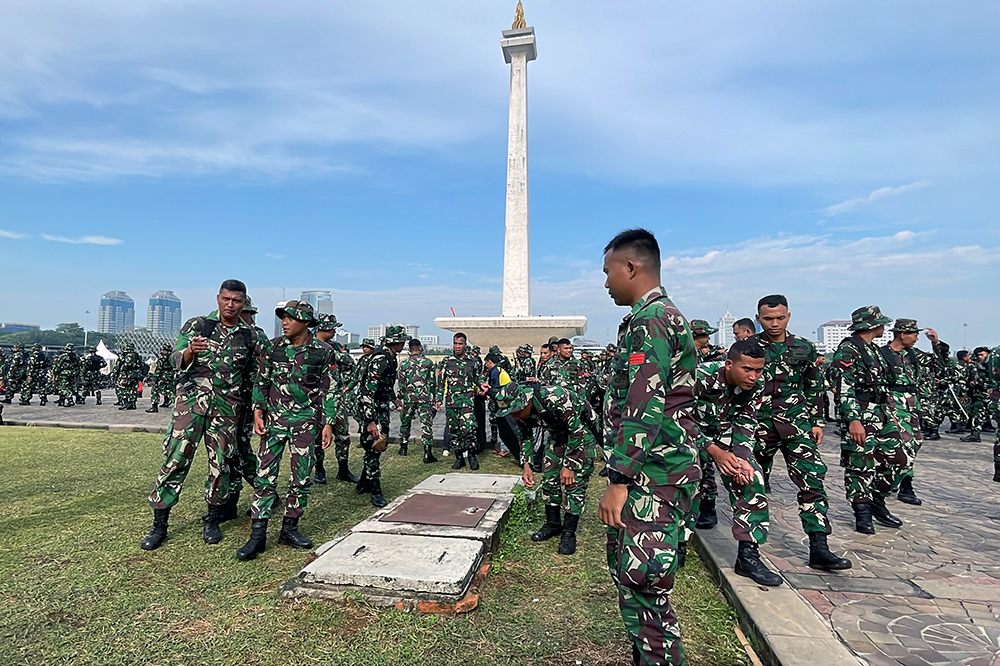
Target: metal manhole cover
[[451, 510]]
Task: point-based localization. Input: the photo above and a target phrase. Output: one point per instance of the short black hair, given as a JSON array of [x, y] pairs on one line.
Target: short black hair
[[414, 343], [746, 322], [639, 241], [746, 347], [460, 335], [564, 341], [980, 349], [492, 357], [772, 301], [233, 285], [962, 354], [547, 346]]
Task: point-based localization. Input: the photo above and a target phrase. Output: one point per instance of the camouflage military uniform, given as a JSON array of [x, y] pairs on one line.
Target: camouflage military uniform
[[871, 470], [903, 394], [456, 384], [16, 375], [66, 369], [792, 406], [296, 389], [242, 459], [37, 377], [993, 393], [524, 365], [650, 424], [727, 417], [163, 379], [345, 377], [417, 390], [206, 406], [131, 371], [929, 388], [953, 392], [90, 374]]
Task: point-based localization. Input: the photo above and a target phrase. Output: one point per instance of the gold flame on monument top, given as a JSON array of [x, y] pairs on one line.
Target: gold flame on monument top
[[519, 17]]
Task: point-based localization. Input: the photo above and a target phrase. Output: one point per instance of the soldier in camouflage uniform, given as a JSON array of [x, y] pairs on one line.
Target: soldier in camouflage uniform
[[37, 377], [417, 390], [978, 406], [701, 333], [653, 460], [325, 331], [242, 459], [66, 370], [546, 365], [131, 371], [90, 375], [569, 459], [929, 384], [993, 394], [163, 380], [791, 419], [351, 394], [376, 395], [16, 375], [295, 405], [872, 453], [953, 392], [457, 383], [524, 364], [213, 356]]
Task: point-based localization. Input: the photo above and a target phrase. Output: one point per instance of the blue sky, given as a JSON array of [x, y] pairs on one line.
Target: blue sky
[[842, 153]]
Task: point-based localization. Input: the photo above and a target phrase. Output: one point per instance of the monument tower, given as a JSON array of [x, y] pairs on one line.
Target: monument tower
[[516, 325]]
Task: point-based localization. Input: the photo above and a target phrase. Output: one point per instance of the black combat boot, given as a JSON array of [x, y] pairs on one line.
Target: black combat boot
[[473, 463], [319, 475], [707, 518], [682, 554], [459, 461], [567, 542], [344, 474], [231, 509], [210, 531], [378, 500], [906, 494], [552, 527], [748, 564], [257, 542], [404, 446], [364, 485], [8, 399], [44, 400], [880, 512], [932, 435], [767, 483], [971, 437], [118, 402], [165, 403], [99, 398], [154, 408], [863, 518], [80, 400], [820, 556], [59, 403], [988, 427], [996, 472], [290, 535], [158, 534], [429, 454], [130, 405]]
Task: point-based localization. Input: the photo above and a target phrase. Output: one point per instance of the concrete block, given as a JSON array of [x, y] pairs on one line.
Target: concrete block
[[458, 483]]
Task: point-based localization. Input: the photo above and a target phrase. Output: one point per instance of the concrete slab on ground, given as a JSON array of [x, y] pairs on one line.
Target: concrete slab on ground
[[486, 532], [462, 483]]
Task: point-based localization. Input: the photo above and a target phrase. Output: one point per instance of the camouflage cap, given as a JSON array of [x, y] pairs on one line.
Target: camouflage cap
[[510, 397], [554, 339], [611, 347], [18, 345], [528, 348], [495, 349], [68, 347], [128, 347], [867, 318], [902, 325], [297, 310], [327, 322], [248, 305], [168, 347], [701, 327], [36, 347], [395, 334], [368, 342], [475, 349]]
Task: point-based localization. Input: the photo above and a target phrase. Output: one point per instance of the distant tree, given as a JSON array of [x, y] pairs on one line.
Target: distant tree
[[71, 329]]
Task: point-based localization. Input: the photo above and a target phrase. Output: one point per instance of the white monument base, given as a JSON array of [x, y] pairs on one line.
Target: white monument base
[[509, 333]]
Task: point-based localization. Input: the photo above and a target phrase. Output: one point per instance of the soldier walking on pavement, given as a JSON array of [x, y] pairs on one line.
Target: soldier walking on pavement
[[66, 370], [295, 404], [457, 385], [872, 453], [90, 375], [416, 387], [325, 331], [213, 356], [653, 468], [131, 371], [163, 376], [376, 394]]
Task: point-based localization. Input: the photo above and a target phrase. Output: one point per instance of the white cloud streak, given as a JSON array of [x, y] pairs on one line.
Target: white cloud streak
[[84, 240], [12, 234], [881, 193]]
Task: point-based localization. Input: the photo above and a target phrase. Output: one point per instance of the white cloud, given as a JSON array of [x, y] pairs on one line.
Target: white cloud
[[881, 193], [275, 256], [12, 234], [84, 240]]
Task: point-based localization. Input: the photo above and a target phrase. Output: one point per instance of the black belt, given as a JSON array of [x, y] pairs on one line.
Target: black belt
[[869, 397], [903, 388]]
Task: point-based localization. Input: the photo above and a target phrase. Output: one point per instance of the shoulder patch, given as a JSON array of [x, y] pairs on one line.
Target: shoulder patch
[[637, 358], [638, 338]]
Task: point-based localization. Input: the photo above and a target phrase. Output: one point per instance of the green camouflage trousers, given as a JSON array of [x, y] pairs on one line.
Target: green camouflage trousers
[[707, 488], [983, 411], [372, 466], [242, 461], [572, 497], [179, 447], [161, 391], [642, 559], [66, 387], [806, 470], [751, 517], [300, 443], [873, 468], [904, 406], [341, 437], [424, 411], [461, 427]]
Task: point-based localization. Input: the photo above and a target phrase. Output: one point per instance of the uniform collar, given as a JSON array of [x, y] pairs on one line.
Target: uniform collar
[[646, 298]]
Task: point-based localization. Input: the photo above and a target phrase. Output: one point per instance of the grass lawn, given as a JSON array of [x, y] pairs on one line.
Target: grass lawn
[[76, 589]]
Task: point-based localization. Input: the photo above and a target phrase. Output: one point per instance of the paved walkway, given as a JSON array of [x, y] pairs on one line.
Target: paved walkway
[[925, 594]]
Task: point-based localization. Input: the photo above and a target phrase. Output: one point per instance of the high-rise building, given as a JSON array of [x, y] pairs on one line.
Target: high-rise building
[[164, 314], [428, 340], [320, 299], [116, 314], [725, 338], [830, 334], [277, 322], [347, 338], [378, 332]]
